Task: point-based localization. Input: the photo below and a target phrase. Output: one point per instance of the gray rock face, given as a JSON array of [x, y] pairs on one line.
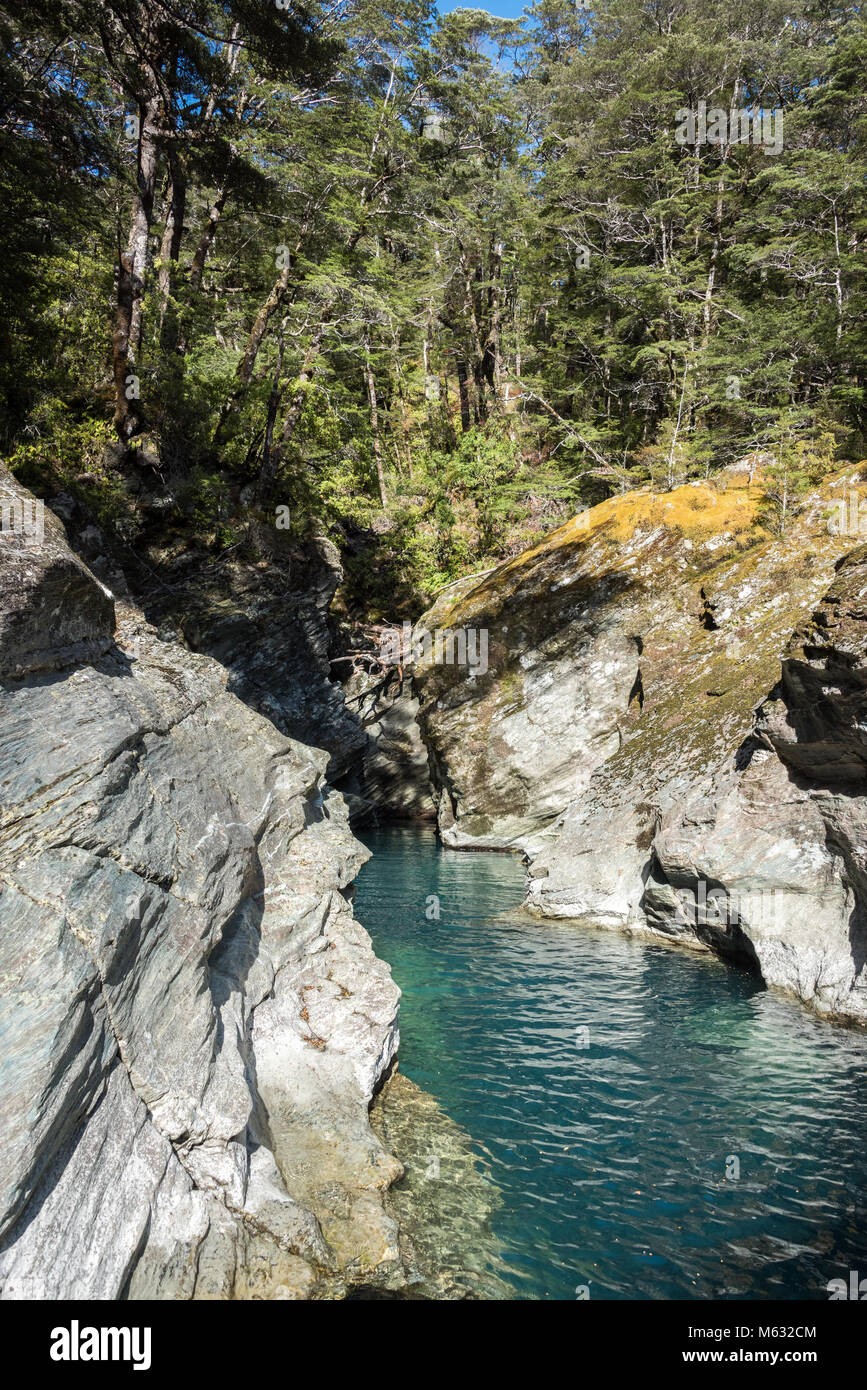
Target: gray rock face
[[268, 622], [391, 777], [615, 737], [52, 612], [601, 623], [268, 625], [782, 834], [193, 1024]]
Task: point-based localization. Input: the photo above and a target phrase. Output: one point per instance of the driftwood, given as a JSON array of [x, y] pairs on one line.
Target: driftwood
[[367, 659]]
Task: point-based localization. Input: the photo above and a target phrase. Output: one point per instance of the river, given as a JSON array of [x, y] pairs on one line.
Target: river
[[659, 1125]]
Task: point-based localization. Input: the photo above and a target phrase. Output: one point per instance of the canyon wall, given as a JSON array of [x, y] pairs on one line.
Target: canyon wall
[[193, 1023], [672, 727], [637, 737]]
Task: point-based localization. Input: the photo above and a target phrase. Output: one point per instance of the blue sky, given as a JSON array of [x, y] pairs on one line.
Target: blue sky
[[504, 9]]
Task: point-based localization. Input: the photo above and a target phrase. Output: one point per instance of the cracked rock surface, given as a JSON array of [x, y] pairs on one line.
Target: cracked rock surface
[[193, 1023]]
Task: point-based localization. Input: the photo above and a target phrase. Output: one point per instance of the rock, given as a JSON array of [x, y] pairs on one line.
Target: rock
[[390, 779], [193, 1023], [52, 611], [816, 723], [260, 608], [615, 737], [268, 625], [601, 617], [267, 620], [782, 833], [445, 1202]]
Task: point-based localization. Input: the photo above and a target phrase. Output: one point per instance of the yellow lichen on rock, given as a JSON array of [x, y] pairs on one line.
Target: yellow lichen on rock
[[695, 512]]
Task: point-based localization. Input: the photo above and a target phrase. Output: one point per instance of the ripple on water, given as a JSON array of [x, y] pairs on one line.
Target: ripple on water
[[611, 1159]]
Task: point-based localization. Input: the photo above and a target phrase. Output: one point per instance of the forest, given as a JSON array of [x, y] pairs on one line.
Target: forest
[[426, 284]]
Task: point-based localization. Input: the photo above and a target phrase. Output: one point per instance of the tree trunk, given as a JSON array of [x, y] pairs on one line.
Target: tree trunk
[[493, 353], [271, 462], [370, 382], [479, 375], [717, 233], [463, 393], [263, 318], [170, 251], [131, 274], [142, 217], [273, 407], [124, 420], [272, 303], [200, 255]]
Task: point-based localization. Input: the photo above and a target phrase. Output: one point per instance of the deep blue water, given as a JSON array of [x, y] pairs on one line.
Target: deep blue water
[[611, 1158]]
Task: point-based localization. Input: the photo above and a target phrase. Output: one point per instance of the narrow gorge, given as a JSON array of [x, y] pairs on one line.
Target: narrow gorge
[[433, 676], [671, 732]]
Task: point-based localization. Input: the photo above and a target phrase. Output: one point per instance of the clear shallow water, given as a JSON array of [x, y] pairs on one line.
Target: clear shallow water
[[611, 1159]]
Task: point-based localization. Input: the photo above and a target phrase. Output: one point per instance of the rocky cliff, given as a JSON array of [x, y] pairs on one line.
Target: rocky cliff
[[193, 1023], [263, 610], [779, 832], [390, 778], [615, 739]]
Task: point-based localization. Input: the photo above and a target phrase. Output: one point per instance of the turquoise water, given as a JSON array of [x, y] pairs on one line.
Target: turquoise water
[[611, 1158]]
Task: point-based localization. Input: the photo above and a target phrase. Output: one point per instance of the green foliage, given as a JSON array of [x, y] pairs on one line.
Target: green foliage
[[802, 455], [60, 450], [437, 281]]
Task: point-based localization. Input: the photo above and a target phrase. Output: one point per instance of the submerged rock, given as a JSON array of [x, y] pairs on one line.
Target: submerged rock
[[444, 1202], [193, 1023]]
